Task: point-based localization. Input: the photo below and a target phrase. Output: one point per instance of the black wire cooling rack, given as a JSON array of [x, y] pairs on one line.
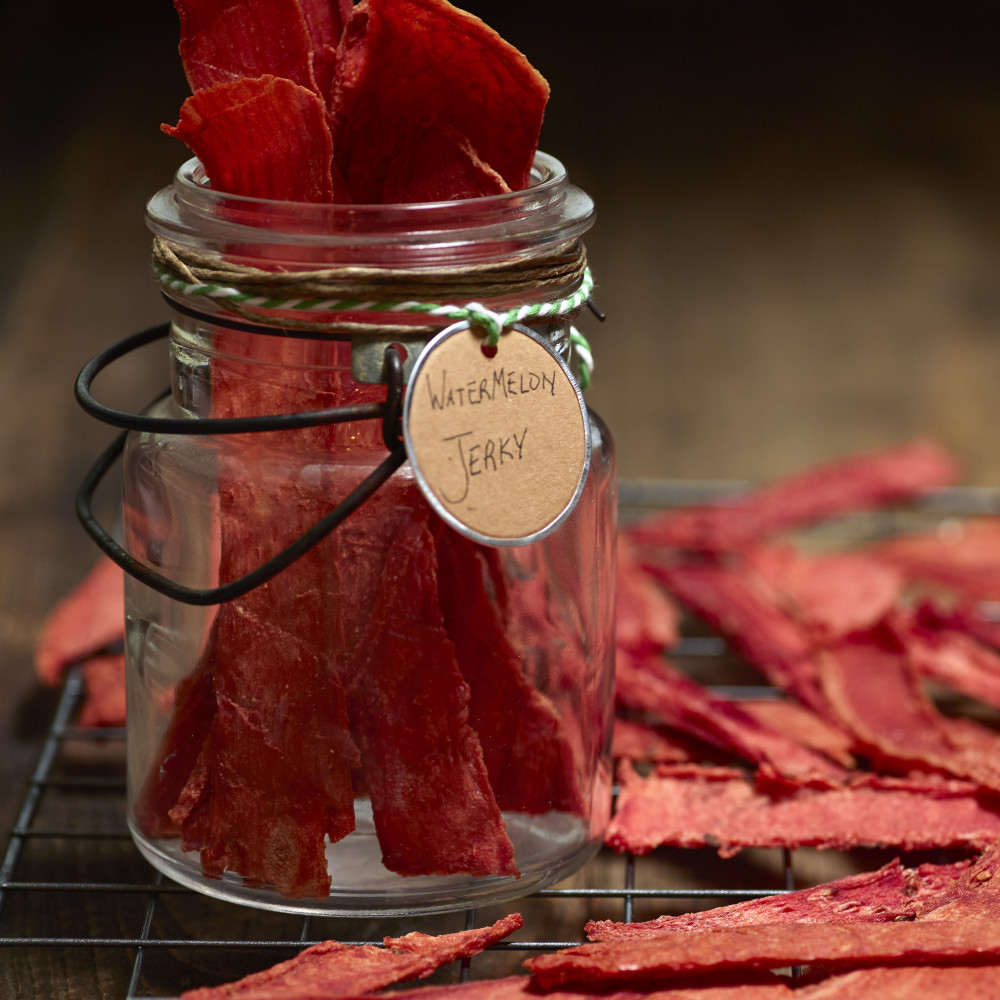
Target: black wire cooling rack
[[82, 913]]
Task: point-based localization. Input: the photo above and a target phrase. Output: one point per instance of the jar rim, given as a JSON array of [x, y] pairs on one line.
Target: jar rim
[[549, 212], [194, 188]]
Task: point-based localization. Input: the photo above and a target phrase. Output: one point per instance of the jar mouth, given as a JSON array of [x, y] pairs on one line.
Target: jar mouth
[[549, 212], [548, 175]]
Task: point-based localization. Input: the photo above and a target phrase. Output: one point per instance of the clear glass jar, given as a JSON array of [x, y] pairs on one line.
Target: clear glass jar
[[403, 720]]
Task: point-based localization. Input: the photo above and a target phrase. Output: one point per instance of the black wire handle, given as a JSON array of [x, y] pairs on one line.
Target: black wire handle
[[390, 411], [204, 425]]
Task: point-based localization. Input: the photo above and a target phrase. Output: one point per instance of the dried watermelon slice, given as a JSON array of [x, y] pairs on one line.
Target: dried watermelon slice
[[458, 171], [526, 747], [325, 21], [226, 40], [274, 775], [331, 969], [405, 65], [433, 807], [265, 137], [86, 621], [179, 750]]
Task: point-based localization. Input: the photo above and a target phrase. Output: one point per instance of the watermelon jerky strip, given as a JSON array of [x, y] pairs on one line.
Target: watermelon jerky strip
[[836, 946], [104, 682], [87, 626], [528, 756], [265, 137], [226, 40], [892, 892], [828, 596], [840, 487], [405, 65], [872, 690], [459, 171], [749, 987], [325, 21], [963, 982], [940, 648], [180, 748], [87, 620], [646, 619], [765, 636], [963, 618], [640, 742], [973, 895], [273, 779], [330, 969], [802, 725], [651, 684], [696, 806], [434, 809], [963, 557]]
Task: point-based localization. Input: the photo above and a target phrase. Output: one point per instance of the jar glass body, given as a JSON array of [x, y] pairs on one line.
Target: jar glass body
[[403, 720]]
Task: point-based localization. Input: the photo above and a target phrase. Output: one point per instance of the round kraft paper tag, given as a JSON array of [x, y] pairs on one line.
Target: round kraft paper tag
[[500, 445]]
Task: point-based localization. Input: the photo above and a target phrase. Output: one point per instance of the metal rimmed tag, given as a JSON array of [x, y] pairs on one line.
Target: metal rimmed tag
[[499, 438]]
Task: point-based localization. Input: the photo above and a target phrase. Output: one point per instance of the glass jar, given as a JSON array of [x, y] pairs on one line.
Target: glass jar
[[403, 720]]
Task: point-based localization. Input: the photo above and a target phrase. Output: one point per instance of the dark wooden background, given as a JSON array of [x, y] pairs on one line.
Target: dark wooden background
[[798, 245]]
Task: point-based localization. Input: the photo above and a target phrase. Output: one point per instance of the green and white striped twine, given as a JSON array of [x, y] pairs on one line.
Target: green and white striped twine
[[493, 322]]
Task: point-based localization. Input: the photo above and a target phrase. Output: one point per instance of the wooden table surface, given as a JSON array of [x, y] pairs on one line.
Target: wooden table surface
[[797, 246]]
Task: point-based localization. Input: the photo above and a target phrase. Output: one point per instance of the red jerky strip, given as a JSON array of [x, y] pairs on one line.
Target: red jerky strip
[[637, 742], [406, 64], [440, 165], [650, 684], [872, 690], [645, 617], [273, 780], [193, 713], [965, 619], [963, 557], [762, 633], [943, 653], [751, 987], [325, 21], [906, 983], [748, 987], [802, 725], [973, 895], [527, 754], [225, 40], [88, 620], [331, 970], [892, 892], [104, 681], [434, 810], [691, 806], [837, 946], [444, 948], [830, 595], [265, 137], [844, 486]]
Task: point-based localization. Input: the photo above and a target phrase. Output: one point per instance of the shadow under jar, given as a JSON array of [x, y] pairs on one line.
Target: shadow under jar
[[403, 720]]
